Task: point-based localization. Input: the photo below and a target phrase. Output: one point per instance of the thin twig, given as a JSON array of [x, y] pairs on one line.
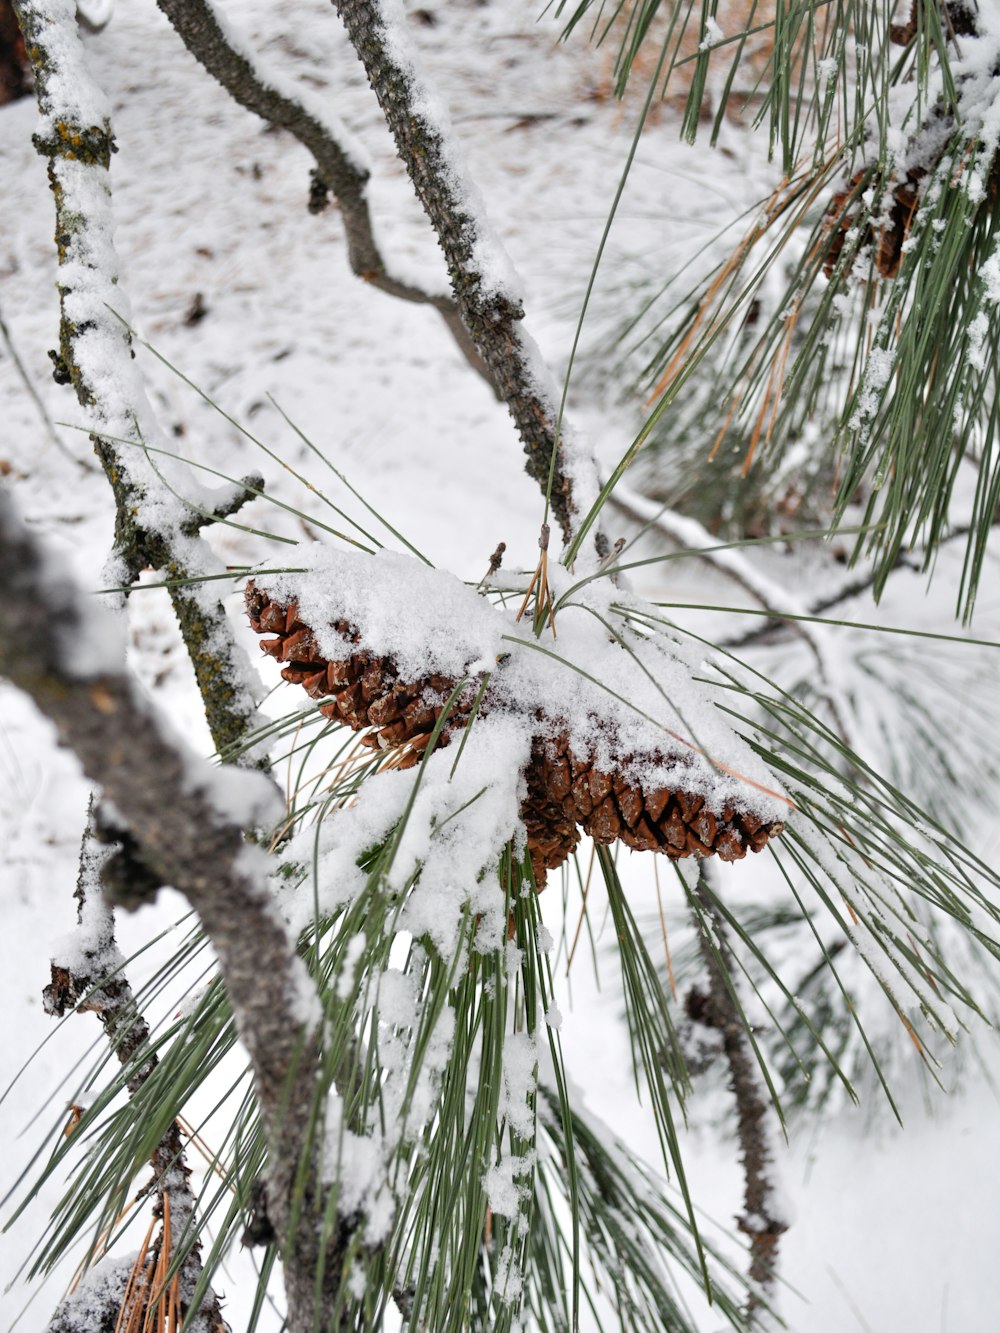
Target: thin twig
[[762, 1220], [481, 274], [340, 167]]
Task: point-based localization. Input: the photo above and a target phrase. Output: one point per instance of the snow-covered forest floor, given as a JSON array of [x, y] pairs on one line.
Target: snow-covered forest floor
[[233, 281]]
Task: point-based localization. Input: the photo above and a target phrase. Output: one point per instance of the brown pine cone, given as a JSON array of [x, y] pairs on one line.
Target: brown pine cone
[[609, 806], [364, 691]]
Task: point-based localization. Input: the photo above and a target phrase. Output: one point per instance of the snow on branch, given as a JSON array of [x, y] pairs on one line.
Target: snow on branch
[[483, 279], [188, 820], [341, 162], [156, 525], [88, 977]]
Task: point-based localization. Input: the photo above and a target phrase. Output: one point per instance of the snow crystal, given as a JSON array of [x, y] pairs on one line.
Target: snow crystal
[[508, 1281], [357, 1283], [520, 1063], [977, 334], [553, 1016], [827, 70], [504, 1193]]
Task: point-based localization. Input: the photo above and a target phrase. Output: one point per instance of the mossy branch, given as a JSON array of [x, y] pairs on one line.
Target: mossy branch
[[217, 48], [491, 313], [151, 528]]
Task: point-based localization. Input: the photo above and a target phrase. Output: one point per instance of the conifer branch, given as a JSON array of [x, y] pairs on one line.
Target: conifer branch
[[762, 1220], [95, 356], [689, 535], [340, 168], [95, 982], [62, 652], [487, 299]]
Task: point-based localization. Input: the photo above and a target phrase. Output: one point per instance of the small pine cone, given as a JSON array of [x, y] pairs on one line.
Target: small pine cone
[[361, 690], [674, 822]]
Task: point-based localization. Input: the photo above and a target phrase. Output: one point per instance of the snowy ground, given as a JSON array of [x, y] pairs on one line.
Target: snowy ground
[[894, 1231]]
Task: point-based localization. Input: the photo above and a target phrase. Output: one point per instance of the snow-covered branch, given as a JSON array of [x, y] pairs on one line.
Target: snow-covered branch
[[88, 976], [765, 1216], [188, 820], [154, 525], [483, 279], [341, 165], [690, 535]]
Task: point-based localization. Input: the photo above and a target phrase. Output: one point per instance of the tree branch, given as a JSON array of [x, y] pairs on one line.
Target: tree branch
[[689, 535], [763, 1220], [95, 356], [340, 167], [94, 981], [482, 280], [188, 820]]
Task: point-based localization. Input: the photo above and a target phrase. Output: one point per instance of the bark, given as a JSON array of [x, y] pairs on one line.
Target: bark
[[164, 797], [761, 1221]]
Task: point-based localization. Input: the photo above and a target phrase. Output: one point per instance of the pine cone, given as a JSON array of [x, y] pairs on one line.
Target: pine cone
[[566, 791], [364, 691], [609, 806], [888, 238]]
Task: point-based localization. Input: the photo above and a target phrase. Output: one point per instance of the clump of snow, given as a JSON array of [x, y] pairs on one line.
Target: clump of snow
[[242, 797], [878, 370], [506, 1191], [90, 951], [458, 827], [713, 34], [97, 1296], [508, 1281]]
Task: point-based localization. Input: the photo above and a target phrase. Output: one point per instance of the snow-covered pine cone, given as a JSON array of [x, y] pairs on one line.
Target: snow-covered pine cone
[[566, 791], [363, 691]]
